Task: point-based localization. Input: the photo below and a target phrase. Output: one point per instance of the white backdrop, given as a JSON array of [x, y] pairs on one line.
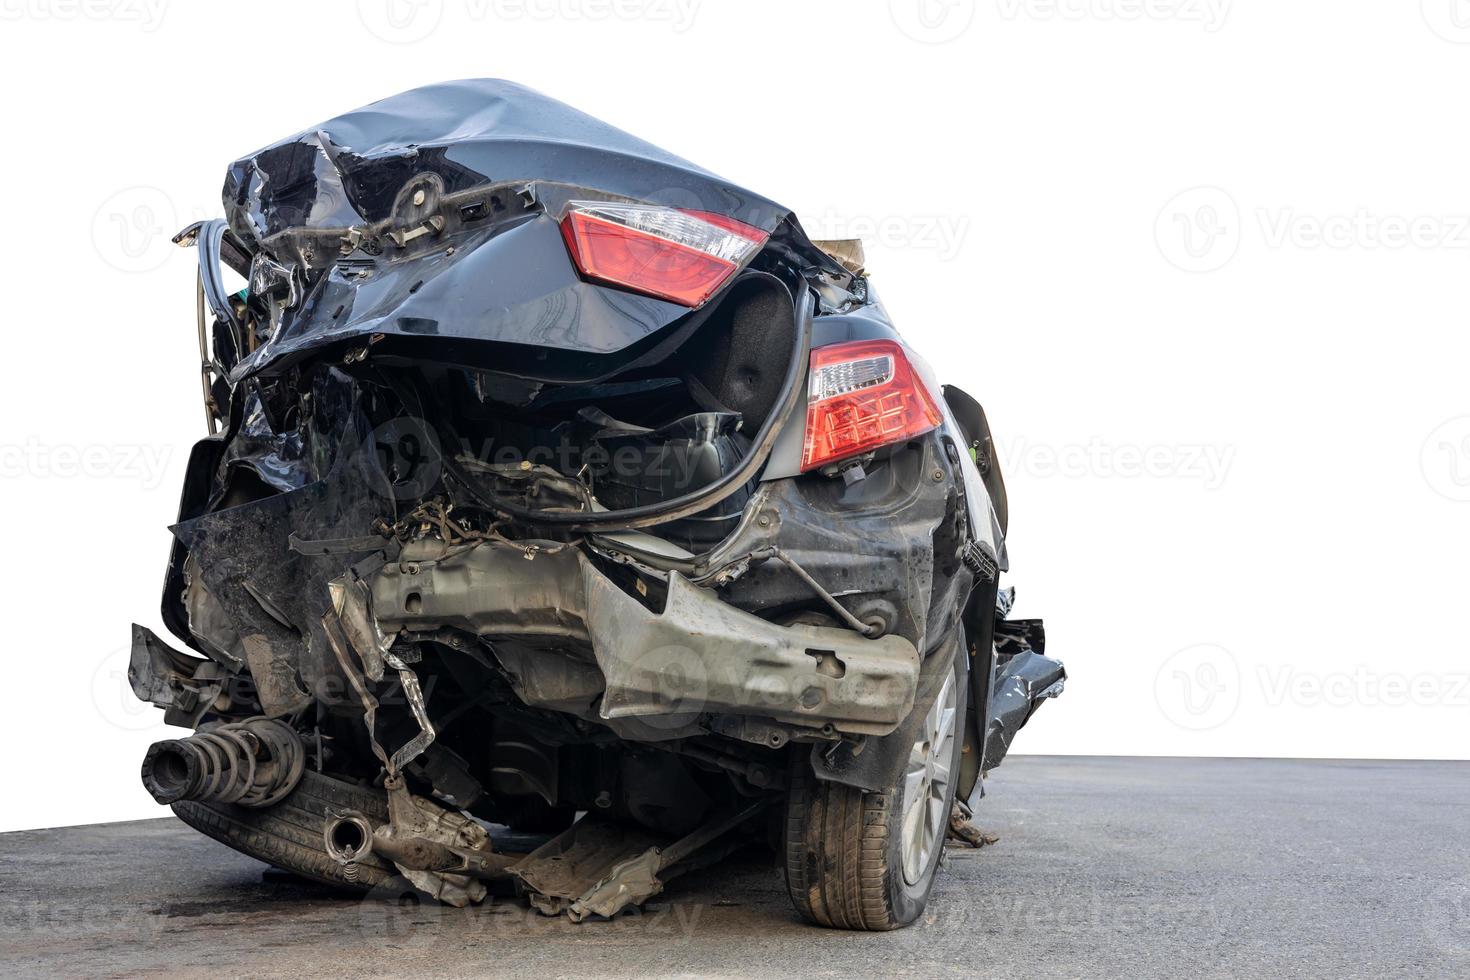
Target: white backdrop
[[1203, 261]]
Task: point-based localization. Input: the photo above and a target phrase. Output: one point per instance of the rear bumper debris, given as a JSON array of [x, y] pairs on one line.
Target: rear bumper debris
[[697, 654]]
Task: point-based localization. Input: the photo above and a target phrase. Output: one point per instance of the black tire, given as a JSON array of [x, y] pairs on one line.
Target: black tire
[[844, 862], [289, 834]]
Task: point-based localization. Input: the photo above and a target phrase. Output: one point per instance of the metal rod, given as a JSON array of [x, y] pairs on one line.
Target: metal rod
[[823, 594], [204, 365], [682, 848]]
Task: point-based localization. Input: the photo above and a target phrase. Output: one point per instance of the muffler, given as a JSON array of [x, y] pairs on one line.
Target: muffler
[[253, 763]]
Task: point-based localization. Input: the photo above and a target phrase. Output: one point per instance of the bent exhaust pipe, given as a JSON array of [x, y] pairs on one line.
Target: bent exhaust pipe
[[253, 763], [350, 839]]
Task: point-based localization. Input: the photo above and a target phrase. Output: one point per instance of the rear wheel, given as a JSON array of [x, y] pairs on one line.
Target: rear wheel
[[859, 860]]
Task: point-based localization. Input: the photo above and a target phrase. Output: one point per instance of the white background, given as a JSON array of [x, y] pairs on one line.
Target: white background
[[1205, 264]]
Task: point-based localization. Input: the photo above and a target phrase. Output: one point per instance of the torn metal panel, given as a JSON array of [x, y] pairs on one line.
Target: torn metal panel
[[273, 596], [1024, 678], [185, 687], [894, 512], [415, 818], [629, 882], [414, 694], [698, 654], [428, 193], [704, 655], [599, 869], [567, 867], [274, 671]]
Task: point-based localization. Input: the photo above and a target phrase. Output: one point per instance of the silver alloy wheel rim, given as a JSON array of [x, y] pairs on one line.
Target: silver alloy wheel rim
[[926, 785]]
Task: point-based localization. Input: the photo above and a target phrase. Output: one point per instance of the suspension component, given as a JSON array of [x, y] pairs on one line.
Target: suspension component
[[253, 763]]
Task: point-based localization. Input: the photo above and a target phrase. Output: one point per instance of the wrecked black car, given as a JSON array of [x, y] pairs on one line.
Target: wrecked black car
[[556, 483]]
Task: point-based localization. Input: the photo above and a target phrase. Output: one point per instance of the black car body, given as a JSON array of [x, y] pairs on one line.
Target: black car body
[[548, 475]]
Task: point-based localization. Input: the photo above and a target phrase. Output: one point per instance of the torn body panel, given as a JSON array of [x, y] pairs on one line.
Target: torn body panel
[[1024, 678], [401, 219]]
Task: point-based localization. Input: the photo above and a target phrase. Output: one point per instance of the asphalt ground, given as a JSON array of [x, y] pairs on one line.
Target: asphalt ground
[[1105, 867]]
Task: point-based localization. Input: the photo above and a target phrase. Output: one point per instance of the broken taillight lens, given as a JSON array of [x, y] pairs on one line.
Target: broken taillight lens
[[678, 255], [863, 395]]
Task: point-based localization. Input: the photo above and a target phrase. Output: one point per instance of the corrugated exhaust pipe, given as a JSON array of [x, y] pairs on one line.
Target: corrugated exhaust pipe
[[253, 763]]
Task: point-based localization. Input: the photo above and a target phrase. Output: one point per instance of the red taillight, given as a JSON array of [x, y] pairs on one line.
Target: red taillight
[[863, 395], [681, 256]]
